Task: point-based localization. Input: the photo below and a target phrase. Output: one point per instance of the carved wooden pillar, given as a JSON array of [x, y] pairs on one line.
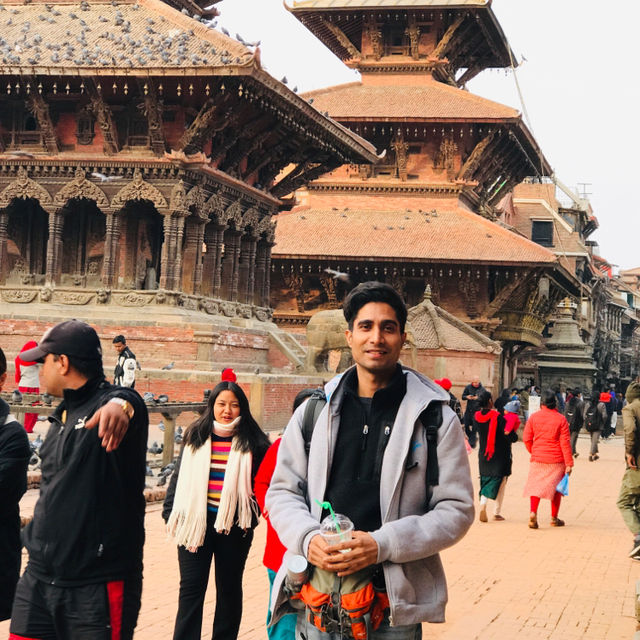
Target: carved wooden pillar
[[197, 272], [177, 255], [111, 239], [217, 269], [246, 269], [168, 226], [210, 233], [4, 220], [230, 270], [189, 255], [54, 244], [261, 274], [266, 289]]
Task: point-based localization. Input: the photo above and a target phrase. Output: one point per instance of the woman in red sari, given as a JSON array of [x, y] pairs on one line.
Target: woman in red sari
[[547, 438]]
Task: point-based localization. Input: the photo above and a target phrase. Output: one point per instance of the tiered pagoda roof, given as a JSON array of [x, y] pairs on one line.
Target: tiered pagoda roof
[[430, 101], [411, 235], [472, 38]]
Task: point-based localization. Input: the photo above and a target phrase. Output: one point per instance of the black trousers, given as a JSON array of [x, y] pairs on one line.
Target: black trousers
[[229, 553], [103, 611]]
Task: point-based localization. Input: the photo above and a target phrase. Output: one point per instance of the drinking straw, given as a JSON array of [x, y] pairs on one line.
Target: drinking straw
[[327, 505]]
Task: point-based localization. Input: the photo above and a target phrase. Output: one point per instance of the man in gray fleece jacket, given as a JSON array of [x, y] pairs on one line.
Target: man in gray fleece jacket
[[368, 457]]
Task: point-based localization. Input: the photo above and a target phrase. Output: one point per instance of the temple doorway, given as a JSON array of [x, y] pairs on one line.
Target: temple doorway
[[27, 236], [141, 238], [83, 237]]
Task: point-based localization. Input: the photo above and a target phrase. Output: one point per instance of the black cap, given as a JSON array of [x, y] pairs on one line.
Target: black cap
[[71, 338]]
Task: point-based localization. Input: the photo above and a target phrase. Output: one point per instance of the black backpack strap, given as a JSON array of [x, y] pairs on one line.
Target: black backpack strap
[[312, 410], [431, 419]]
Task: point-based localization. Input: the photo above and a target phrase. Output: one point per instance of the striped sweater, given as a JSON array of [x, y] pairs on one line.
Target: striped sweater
[[220, 449]]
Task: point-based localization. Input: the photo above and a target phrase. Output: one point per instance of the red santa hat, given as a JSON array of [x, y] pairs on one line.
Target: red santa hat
[[445, 383], [228, 375]]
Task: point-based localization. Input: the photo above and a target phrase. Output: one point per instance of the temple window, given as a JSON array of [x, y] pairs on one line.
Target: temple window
[[396, 41], [84, 127], [542, 232]]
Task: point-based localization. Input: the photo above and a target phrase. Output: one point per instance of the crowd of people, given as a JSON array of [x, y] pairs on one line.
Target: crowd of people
[[343, 457]]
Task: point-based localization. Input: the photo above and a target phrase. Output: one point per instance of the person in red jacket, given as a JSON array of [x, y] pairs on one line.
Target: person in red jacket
[[274, 550], [546, 436]]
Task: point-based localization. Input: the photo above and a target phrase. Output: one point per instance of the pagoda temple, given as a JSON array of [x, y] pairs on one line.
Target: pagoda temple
[[144, 157], [427, 212]]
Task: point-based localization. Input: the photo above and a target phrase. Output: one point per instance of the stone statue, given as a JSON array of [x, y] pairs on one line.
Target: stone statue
[[326, 332]]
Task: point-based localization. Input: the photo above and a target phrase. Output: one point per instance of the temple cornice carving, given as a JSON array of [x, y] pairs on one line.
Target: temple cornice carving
[[80, 187], [24, 187], [138, 189]]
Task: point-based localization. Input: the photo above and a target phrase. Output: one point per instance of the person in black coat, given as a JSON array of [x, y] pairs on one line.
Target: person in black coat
[[14, 460], [494, 455], [470, 394]]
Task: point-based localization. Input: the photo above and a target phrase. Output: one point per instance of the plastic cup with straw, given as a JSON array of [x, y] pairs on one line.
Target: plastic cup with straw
[[336, 527]]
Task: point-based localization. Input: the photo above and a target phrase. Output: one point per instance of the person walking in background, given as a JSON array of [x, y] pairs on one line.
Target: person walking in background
[[629, 498], [27, 378], [454, 403], [14, 460], [84, 575], [546, 437], [502, 399], [605, 399], [274, 550], [574, 414], [124, 374], [470, 394], [524, 403], [211, 512], [595, 420], [494, 455]]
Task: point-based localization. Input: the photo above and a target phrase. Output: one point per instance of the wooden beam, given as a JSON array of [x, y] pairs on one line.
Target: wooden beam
[[40, 110], [153, 112], [441, 47], [341, 37], [104, 117], [211, 117], [475, 156], [471, 73]]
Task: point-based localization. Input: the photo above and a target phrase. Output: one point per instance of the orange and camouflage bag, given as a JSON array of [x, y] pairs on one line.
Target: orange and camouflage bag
[[350, 605]]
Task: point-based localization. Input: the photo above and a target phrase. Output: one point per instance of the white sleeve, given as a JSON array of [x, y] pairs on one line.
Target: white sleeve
[[129, 375]]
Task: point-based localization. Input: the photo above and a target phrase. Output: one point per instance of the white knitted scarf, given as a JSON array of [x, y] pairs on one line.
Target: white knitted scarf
[[187, 524]]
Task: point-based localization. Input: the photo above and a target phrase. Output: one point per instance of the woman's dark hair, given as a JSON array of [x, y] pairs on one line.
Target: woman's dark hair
[[250, 436], [504, 397], [549, 399], [573, 400], [3, 362], [484, 399], [367, 292], [595, 396], [301, 396]]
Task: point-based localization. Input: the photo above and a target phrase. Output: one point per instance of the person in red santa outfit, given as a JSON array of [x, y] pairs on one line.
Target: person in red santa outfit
[[28, 381]]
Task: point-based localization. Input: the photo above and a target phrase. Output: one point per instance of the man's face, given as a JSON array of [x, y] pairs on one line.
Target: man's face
[[119, 346], [475, 382], [51, 377], [376, 340]]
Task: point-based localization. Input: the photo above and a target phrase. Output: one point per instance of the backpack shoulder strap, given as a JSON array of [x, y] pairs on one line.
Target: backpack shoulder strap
[[312, 410], [431, 419]]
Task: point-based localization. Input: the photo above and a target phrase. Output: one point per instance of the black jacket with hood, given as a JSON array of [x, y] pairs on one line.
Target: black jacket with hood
[[14, 459], [88, 523]]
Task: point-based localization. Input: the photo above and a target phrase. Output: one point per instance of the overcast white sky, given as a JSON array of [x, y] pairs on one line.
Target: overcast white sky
[[578, 83]]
